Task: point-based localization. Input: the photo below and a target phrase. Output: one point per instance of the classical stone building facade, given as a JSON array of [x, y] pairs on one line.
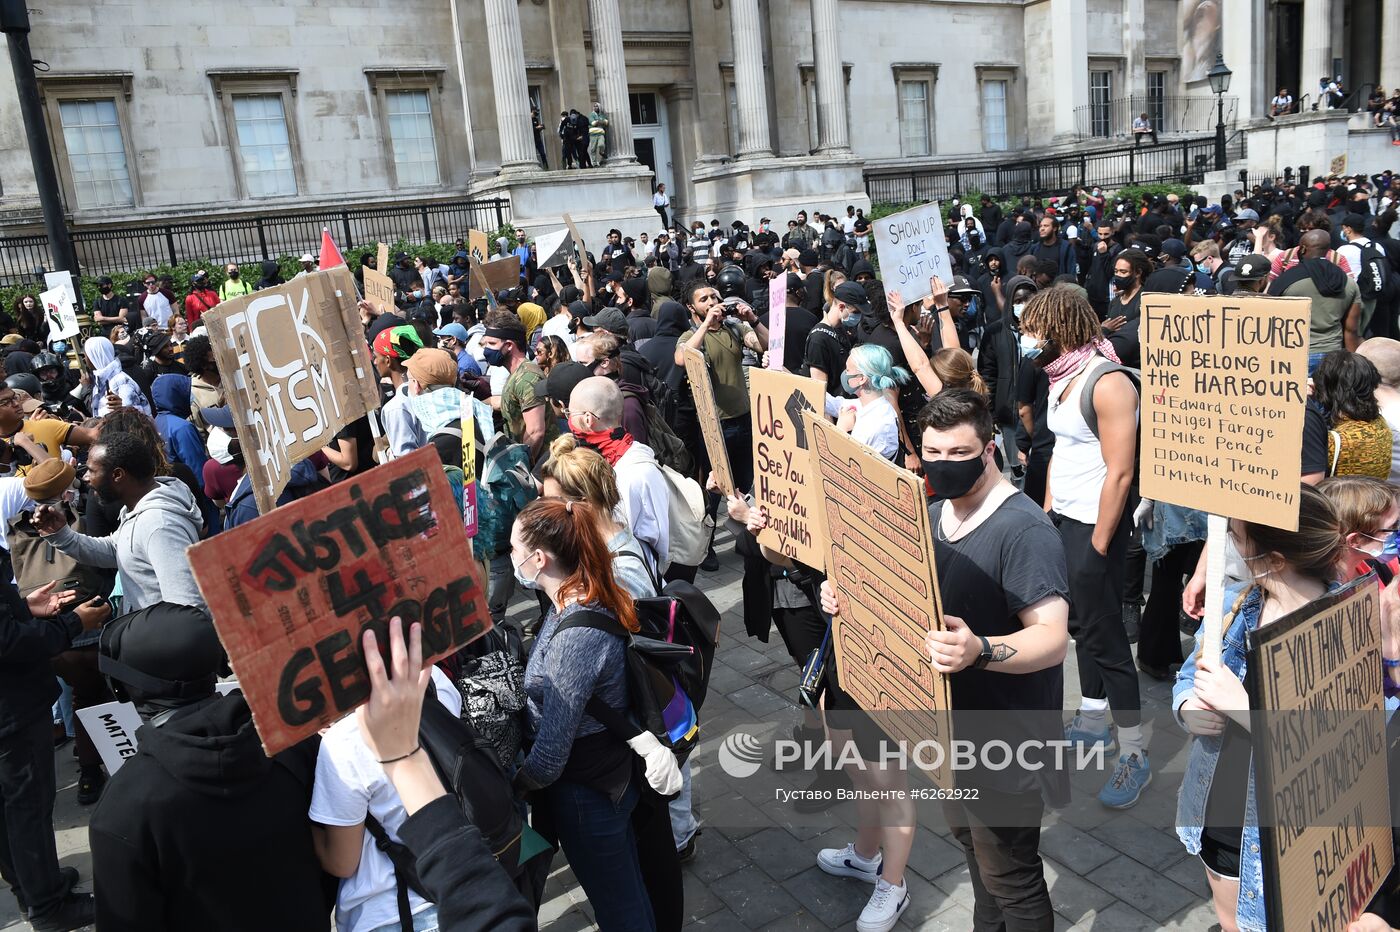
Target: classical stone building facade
[[194, 109]]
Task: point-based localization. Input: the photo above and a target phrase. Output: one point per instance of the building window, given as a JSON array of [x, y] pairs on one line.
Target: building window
[[410, 118], [644, 109], [915, 118], [994, 116], [264, 145], [1101, 103], [92, 135], [1157, 99]]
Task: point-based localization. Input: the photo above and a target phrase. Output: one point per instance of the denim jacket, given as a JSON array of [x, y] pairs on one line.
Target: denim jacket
[[1205, 754], [1171, 525]]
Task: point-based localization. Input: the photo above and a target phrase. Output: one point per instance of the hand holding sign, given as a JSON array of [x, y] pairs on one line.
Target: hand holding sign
[[389, 721]]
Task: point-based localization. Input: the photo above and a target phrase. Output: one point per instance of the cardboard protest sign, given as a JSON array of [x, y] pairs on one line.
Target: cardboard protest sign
[[1339, 165], [552, 248], [782, 467], [382, 257], [478, 245], [880, 561], [777, 321], [59, 314], [112, 727], [497, 275], [1224, 383], [469, 469], [697, 370], [379, 290], [293, 592], [296, 370], [912, 248], [577, 237], [1318, 728], [61, 279]]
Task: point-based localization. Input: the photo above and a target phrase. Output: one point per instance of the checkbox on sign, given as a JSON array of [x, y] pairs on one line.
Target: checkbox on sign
[[1160, 399]]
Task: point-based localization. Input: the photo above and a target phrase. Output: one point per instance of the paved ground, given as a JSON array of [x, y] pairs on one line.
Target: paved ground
[[755, 866]]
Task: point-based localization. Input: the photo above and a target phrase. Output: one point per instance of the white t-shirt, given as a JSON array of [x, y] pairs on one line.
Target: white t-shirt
[[660, 200], [157, 306], [877, 423], [12, 502], [558, 326], [848, 225], [349, 784]]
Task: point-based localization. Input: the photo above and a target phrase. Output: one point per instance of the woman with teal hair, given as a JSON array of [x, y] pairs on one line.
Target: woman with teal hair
[[871, 418]]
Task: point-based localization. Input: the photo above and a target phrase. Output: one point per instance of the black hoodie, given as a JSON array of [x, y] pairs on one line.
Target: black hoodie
[[660, 350], [1327, 277], [200, 830], [271, 275]]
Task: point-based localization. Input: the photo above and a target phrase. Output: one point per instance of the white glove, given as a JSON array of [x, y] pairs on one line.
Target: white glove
[[663, 773], [1142, 514]]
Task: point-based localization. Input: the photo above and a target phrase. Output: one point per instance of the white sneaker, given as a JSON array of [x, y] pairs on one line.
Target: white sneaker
[[884, 908], [844, 862]]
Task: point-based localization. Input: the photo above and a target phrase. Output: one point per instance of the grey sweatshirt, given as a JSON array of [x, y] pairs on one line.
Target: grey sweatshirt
[[148, 548]]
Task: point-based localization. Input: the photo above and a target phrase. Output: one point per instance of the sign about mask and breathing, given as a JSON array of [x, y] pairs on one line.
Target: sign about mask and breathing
[[912, 248]]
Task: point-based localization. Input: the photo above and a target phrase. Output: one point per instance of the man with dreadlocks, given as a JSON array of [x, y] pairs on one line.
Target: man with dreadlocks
[[1093, 412]]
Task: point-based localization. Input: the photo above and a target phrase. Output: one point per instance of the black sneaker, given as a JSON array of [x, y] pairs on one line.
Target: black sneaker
[[822, 792], [687, 851], [1187, 625], [1161, 674], [73, 912], [711, 562], [70, 880], [1132, 620], [90, 783]]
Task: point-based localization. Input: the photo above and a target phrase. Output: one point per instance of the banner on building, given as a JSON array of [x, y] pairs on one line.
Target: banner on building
[[292, 592], [1224, 384], [296, 370], [1322, 786]]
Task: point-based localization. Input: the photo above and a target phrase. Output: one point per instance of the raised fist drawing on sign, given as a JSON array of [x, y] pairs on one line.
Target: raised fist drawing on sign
[[795, 405]]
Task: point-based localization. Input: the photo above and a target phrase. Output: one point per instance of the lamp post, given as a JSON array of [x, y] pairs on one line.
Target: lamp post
[[1219, 78]]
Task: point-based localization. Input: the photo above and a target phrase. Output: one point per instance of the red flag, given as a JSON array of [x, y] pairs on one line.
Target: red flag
[[330, 256]]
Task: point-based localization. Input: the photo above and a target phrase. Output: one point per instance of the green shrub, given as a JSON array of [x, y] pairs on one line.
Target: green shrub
[[1156, 189]]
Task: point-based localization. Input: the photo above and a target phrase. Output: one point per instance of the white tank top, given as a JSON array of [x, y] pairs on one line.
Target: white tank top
[[1077, 469]]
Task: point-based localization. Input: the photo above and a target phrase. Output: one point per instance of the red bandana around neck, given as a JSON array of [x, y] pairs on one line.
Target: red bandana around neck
[[612, 444]]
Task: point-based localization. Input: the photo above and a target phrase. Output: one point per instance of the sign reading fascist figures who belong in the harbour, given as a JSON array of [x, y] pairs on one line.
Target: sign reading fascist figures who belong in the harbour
[[292, 592], [1319, 733], [912, 247], [1224, 384], [295, 371]]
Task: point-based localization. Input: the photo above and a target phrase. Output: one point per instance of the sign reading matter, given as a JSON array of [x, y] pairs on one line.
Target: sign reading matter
[[1315, 686], [880, 560], [296, 360], [697, 370], [1224, 382], [782, 465], [912, 248], [293, 592]]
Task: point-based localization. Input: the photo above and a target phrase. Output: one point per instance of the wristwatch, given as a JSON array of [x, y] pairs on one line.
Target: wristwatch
[[985, 657]]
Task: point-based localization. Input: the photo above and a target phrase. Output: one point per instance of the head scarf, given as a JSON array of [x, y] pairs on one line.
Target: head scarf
[[397, 342], [103, 356], [532, 316]]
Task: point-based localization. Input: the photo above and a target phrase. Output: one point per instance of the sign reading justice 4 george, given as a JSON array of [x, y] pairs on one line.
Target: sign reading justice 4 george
[[1224, 383], [293, 592]]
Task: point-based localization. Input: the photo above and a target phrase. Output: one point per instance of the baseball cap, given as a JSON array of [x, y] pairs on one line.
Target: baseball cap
[[1252, 268], [307, 257], [1247, 214], [560, 382], [432, 367], [1174, 248], [962, 286], [454, 330], [852, 293], [610, 319], [807, 257]]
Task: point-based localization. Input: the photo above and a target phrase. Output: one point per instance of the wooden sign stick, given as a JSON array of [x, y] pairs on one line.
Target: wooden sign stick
[[482, 283], [1217, 529]]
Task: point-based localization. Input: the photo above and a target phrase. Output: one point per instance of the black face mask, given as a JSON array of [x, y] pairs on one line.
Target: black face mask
[[954, 478], [1122, 282]]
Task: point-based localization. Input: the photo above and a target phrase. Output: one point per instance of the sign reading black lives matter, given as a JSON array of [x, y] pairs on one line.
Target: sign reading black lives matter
[[1319, 735], [1224, 382], [293, 591]]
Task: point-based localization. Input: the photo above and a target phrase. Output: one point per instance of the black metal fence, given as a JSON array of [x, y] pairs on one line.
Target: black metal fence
[[1184, 162], [1168, 115], [119, 250]]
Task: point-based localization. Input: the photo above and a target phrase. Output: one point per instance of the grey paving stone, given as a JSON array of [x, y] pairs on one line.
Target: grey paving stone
[[837, 901], [721, 920], [1191, 874], [800, 921], [758, 701], [775, 851], [1120, 917], [932, 856], [700, 900], [754, 898], [715, 857], [724, 680], [746, 659], [732, 815], [925, 901], [1139, 841], [954, 918], [1077, 850], [957, 884], [1145, 888], [1194, 918], [1071, 895]]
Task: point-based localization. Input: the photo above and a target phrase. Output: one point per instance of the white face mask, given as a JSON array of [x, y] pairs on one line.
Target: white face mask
[[1237, 565]]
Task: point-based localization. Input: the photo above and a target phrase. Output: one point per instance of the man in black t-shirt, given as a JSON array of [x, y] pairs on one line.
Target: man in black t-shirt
[[351, 451], [1002, 575], [829, 343]]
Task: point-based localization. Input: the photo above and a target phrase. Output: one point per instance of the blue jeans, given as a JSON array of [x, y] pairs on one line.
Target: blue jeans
[[683, 824], [1313, 360], [425, 920], [596, 836]]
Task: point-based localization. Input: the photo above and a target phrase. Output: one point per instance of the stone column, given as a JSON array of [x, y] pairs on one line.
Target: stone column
[[1069, 69], [1317, 47], [1390, 44], [1134, 45], [610, 74], [832, 132], [755, 139], [508, 80]]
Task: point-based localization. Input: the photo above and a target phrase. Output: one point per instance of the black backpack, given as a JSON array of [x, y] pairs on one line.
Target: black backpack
[[1375, 279], [466, 763]]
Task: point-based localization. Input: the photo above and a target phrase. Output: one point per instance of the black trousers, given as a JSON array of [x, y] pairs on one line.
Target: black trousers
[[1135, 569], [78, 667], [1106, 667], [28, 851], [1159, 638], [1000, 837], [665, 223]]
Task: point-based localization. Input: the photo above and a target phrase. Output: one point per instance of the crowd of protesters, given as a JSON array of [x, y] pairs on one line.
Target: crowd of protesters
[[1010, 389]]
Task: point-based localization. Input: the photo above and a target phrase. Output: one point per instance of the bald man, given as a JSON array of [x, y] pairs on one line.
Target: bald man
[[595, 417], [1336, 302], [1384, 354]]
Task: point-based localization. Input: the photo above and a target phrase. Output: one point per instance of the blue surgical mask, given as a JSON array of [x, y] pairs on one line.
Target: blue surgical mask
[[851, 321], [493, 355], [1389, 546], [1017, 308], [531, 583], [846, 385], [1030, 346]]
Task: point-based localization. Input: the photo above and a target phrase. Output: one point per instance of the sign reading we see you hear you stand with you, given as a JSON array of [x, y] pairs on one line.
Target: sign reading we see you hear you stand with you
[[912, 248], [292, 592], [1224, 384]]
